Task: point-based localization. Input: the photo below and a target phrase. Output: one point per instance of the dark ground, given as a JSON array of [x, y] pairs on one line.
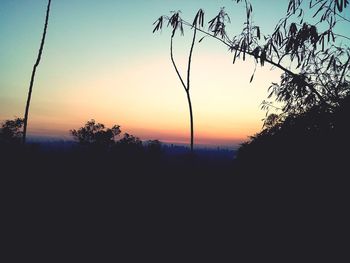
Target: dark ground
[[138, 207]]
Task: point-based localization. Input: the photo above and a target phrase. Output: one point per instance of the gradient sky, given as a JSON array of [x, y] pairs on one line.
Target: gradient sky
[[102, 61]]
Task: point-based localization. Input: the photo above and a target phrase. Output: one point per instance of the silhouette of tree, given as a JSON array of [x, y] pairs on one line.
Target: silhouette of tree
[[271, 121], [11, 131], [321, 61], [176, 22], [316, 140], [96, 134], [315, 66], [34, 71], [130, 140], [129, 148]]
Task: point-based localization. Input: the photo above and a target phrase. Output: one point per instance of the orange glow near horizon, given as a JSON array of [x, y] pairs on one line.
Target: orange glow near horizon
[[148, 101]]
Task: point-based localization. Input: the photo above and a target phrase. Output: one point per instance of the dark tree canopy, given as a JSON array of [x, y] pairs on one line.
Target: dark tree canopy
[[129, 139], [96, 134], [310, 143], [11, 131]]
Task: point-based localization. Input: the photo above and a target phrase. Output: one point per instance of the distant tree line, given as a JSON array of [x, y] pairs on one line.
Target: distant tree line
[[93, 136]]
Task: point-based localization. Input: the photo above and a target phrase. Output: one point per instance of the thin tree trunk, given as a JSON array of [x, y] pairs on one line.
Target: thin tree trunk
[[174, 64], [33, 73], [188, 86], [191, 118]]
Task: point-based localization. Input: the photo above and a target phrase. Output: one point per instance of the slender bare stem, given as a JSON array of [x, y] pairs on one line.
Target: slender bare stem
[[188, 86], [25, 121], [174, 64]]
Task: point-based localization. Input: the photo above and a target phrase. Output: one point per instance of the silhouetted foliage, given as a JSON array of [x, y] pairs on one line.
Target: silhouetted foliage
[[314, 85], [96, 134], [309, 135], [129, 146], [316, 141], [103, 142], [130, 140], [319, 69], [11, 131]]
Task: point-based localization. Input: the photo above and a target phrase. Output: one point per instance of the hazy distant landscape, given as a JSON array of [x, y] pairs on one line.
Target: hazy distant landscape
[[204, 151]]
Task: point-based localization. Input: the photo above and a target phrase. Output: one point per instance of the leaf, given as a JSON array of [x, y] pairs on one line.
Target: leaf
[[301, 12], [199, 19], [159, 24], [255, 52], [293, 29], [322, 44], [328, 36], [235, 56], [276, 51], [333, 37], [195, 20], [201, 39], [339, 5], [262, 57], [289, 6], [252, 77], [330, 62], [321, 7]]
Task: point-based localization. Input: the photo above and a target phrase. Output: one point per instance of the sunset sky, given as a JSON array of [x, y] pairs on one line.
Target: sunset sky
[[101, 61]]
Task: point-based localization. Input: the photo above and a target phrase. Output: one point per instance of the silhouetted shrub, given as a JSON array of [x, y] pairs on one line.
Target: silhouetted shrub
[[96, 134], [129, 145], [314, 142], [11, 131]]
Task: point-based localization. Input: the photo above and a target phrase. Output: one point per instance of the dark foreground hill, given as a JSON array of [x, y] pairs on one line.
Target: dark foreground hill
[[141, 206]]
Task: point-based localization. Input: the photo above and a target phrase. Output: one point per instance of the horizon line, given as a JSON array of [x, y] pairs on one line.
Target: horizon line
[[66, 138]]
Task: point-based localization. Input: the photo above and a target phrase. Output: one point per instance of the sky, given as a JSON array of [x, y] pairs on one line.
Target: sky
[[101, 61]]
